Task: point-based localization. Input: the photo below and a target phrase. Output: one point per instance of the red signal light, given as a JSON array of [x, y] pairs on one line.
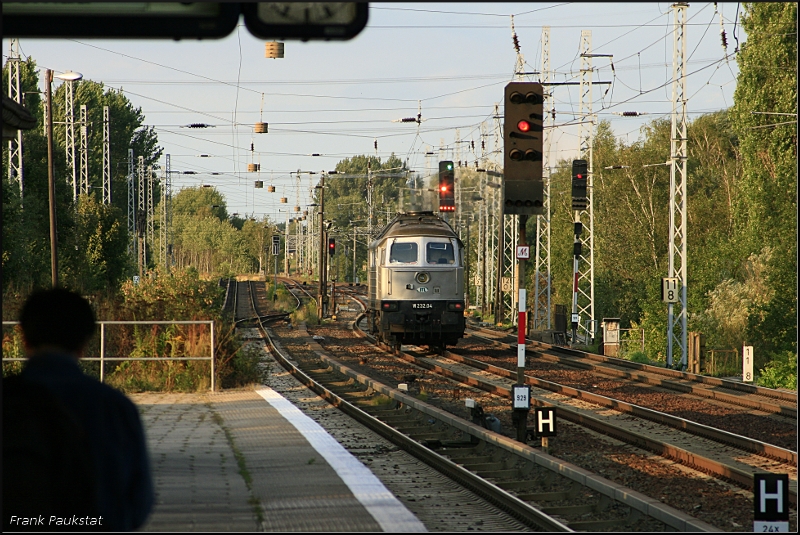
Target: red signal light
[[524, 126], [579, 176], [444, 188]]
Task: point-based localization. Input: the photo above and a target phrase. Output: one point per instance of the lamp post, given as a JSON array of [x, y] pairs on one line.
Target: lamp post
[[70, 78], [48, 75]]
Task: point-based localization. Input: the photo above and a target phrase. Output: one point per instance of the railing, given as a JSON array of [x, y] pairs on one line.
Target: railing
[[102, 358], [722, 362]]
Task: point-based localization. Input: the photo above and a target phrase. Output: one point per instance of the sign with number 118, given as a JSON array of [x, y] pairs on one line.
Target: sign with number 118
[[670, 292]]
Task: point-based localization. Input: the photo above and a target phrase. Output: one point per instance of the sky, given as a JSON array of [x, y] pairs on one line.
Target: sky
[[448, 61]]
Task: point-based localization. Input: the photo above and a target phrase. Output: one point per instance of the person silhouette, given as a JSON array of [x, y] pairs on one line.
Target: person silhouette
[[56, 325]]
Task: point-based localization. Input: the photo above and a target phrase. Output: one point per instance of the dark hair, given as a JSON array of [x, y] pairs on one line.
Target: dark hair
[[57, 317]]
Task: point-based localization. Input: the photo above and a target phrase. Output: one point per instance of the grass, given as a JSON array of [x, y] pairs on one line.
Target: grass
[[240, 461], [380, 400]]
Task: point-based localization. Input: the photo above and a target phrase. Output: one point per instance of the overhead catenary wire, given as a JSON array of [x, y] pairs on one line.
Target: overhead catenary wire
[[372, 129]]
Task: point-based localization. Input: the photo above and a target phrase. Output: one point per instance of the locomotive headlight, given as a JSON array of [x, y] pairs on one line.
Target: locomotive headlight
[[422, 277], [388, 306], [458, 306]]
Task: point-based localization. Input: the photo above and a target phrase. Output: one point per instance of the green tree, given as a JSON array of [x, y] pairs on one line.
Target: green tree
[[765, 208], [26, 221], [345, 201], [100, 242]]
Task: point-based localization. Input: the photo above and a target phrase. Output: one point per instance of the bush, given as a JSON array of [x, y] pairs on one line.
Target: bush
[[245, 368], [637, 356], [307, 313], [780, 372]]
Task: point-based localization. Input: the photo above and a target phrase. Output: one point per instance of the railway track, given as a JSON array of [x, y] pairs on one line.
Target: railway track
[[779, 413], [778, 402], [513, 476], [449, 494], [715, 457]]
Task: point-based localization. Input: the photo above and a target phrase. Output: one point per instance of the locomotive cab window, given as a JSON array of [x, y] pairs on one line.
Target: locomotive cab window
[[440, 253], [403, 253]]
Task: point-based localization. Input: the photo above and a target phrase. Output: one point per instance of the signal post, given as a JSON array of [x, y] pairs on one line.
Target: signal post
[[447, 187], [523, 196], [580, 201]]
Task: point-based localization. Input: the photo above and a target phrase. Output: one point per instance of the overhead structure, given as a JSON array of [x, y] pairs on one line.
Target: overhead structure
[[676, 319], [253, 167], [106, 158], [69, 137], [262, 127], [84, 153], [141, 217], [505, 236], [166, 215], [131, 207], [542, 277], [14, 93], [583, 291], [273, 50], [151, 239]]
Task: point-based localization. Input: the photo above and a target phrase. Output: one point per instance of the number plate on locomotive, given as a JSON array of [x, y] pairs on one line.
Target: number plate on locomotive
[[422, 305]]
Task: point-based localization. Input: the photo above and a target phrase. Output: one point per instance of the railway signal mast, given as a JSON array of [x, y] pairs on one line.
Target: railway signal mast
[[523, 195], [447, 201], [580, 201]]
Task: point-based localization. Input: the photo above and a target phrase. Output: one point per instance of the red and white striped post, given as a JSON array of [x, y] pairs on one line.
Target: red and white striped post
[[521, 322]]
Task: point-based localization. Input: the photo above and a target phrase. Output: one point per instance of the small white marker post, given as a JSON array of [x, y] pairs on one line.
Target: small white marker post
[[747, 364]]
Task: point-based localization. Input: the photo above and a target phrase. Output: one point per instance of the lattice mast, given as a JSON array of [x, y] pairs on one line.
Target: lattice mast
[[131, 207], [69, 138], [583, 298], [151, 239], [676, 320], [141, 216], [83, 184], [166, 215], [106, 157], [15, 172], [542, 293]]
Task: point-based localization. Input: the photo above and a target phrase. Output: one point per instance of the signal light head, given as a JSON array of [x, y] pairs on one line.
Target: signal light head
[[516, 98], [524, 126]]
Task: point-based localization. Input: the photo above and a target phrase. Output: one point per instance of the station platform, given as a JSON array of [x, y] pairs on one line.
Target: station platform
[[249, 460]]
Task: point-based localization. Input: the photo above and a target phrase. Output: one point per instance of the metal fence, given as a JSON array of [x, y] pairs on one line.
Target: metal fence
[[723, 363], [103, 358]]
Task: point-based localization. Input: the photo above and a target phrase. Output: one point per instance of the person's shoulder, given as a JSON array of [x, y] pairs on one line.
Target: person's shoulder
[[111, 393]]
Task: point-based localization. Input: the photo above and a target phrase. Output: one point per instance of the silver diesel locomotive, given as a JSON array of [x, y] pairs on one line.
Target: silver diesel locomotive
[[416, 282]]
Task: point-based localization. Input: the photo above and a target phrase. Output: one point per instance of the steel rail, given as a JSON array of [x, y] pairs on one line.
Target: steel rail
[[551, 355], [741, 477]]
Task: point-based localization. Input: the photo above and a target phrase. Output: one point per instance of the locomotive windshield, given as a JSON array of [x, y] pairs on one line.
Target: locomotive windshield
[[440, 253], [403, 253]]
